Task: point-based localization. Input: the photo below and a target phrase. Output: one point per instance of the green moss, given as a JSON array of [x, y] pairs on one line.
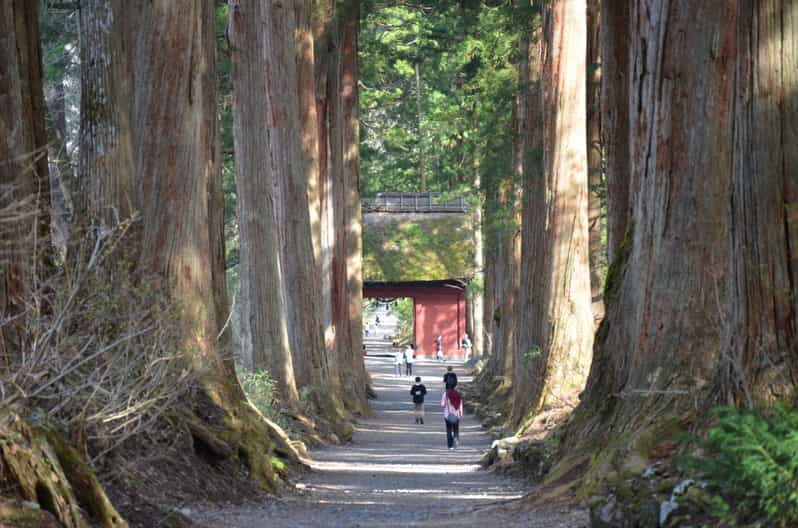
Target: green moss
[[417, 247], [278, 465], [615, 272]]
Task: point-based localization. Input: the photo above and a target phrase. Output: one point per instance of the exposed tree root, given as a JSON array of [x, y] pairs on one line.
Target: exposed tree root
[[43, 469]]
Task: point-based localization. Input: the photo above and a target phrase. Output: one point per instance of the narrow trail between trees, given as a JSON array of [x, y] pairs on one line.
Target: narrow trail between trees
[[396, 473]]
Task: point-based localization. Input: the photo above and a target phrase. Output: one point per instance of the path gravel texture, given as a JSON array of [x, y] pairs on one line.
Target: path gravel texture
[[396, 473]]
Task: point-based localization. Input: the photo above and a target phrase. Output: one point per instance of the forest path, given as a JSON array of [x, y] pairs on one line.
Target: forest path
[[396, 473]]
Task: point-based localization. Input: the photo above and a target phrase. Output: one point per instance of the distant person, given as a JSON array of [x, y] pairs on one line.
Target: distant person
[[450, 378], [438, 341], [452, 403], [466, 346], [418, 391], [398, 357], [377, 320], [410, 357]]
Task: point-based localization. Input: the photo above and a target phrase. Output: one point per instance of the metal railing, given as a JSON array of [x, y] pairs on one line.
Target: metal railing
[[428, 202]]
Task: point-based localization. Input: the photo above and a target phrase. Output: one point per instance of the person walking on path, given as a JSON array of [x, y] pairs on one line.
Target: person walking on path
[[398, 356], [452, 404], [450, 378], [439, 348], [410, 357], [466, 346], [418, 391]]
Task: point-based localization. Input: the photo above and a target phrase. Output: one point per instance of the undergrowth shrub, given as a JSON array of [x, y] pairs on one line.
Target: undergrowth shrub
[[97, 354], [752, 463], [261, 390]]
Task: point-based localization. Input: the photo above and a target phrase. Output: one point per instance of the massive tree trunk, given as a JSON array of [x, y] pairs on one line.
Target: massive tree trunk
[[702, 306], [594, 164], [476, 290], [105, 169], [561, 336], [614, 31], [335, 29], [24, 179], [760, 359], [352, 223], [266, 145], [531, 281]]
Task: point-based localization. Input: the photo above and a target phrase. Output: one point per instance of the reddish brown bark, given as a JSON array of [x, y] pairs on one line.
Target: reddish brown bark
[[335, 32], [615, 55], [176, 162], [24, 179], [560, 338], [703, 305], [760, 363], [532, 226]]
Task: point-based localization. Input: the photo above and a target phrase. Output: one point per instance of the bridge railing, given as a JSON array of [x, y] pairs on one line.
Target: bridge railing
[[428, 202]]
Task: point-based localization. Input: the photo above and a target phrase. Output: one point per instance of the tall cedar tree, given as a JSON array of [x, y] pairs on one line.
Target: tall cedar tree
[[702, 303], [335, 29], [267, 149], [24, 178], [558, 349]]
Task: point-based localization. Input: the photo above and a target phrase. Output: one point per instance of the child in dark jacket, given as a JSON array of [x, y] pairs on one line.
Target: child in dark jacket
[[418, 391]]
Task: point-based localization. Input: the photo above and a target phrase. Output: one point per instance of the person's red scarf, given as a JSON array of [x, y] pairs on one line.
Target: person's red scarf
[[454, 398]]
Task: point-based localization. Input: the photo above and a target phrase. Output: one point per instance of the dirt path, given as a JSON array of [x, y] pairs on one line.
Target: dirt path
[[395, 473]]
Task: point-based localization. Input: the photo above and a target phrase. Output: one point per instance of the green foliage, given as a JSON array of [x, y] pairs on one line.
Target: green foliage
[[404, 317], [466, 52], [752, 461], [533, 353], [261, 390], [423, 247]]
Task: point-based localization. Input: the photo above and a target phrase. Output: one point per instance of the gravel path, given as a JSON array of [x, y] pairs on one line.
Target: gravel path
[[396, 473]]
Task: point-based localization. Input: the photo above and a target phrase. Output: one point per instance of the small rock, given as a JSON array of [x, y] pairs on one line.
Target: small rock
[[665, 509]]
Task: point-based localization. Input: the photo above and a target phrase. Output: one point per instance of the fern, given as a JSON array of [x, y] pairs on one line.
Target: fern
[[753, 460]]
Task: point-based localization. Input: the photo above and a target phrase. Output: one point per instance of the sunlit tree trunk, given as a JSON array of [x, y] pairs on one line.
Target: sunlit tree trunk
[[175, 164], [659, 345], [560, 339], [353, 222], [478, 289], [24, 179], [594, 163], [336, 53], [265, 131]]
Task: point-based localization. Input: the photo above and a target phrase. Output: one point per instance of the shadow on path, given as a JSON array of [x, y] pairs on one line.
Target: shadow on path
[[394, 472]]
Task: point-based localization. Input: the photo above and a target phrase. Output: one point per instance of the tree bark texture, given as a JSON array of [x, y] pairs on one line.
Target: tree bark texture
[[265, 117], [24, 179], [293, 212], [703, 307], [760, 362], [335, 29], [616, 77], [559, 341], [594, 162], [105, 167], [179, 244], [532, 224]]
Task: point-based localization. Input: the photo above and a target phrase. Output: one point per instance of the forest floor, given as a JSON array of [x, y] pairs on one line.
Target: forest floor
[[396, 473]]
